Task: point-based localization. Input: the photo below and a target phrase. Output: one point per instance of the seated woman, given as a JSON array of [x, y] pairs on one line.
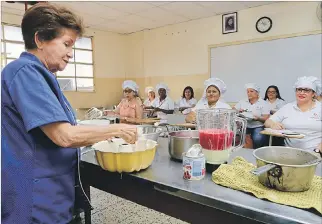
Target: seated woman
[[163, 104], [187, 101], [131, 105], [274, 99], [213, 89], [260, 112], [302, 116], [151, 96]]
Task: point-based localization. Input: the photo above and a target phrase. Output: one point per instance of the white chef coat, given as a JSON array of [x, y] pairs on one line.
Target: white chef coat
[[308, 123], [148, 103], [260, 108], [275, 106], [166, 104], [184, 103]]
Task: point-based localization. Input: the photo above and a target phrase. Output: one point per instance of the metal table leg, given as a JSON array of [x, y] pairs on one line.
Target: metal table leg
[[88, 211]]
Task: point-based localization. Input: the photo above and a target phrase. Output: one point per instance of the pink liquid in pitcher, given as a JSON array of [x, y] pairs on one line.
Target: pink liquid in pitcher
[[216, 139]]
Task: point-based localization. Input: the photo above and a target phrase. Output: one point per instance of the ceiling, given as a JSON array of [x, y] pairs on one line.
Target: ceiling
[[128, 17]]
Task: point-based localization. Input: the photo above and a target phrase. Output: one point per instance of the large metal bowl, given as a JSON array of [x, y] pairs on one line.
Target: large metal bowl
[[148, 132], [287, 170], [181, 141]]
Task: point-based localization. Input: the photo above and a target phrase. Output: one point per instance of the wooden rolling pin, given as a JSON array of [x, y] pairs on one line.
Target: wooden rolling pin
[[142, 121]]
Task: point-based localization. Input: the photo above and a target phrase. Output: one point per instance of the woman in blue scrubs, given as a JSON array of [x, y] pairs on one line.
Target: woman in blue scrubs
[[39, 136]]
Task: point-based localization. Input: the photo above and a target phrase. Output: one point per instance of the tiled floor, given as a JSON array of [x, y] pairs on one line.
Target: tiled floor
[[110, 209]]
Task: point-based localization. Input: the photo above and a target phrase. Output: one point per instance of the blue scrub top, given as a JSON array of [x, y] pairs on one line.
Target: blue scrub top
[[38, 176]]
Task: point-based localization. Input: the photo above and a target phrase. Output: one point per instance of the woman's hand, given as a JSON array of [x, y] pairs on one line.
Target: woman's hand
[[191, 117], [242, 110], [129, 136], [277, 126], [125, 131]]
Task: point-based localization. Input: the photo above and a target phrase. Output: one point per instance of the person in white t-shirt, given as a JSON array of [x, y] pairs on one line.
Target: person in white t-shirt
[[163, 104], [259, 110], [302, 116], [187, 101], [274, 99], [151, 96], [214, 87]]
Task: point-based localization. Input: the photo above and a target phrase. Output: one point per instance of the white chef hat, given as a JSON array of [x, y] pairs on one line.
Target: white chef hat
[[162, 86], [131, 85], [252, 86], [149, 89], [310, 82], [214, 82]]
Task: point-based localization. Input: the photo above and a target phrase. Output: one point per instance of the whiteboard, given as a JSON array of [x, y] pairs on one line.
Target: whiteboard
[[276, 62]]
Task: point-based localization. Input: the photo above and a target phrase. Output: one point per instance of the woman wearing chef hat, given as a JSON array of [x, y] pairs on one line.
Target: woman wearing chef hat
[[131, 105], [302, 116], [258, 111], [163, 104], [214, 87], [151, 96]]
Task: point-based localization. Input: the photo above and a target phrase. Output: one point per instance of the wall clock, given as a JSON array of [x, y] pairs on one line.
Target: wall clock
[[264, 24]]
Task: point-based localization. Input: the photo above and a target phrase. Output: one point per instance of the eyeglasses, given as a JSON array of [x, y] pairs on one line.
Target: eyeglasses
[[127, 91], [272, 92], [299, 90]]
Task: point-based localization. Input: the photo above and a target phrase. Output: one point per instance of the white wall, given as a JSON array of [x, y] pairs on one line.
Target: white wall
[[186, 53], [179, 53], [272, 62]]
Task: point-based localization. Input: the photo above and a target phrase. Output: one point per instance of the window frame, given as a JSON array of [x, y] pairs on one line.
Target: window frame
[[75, 77]]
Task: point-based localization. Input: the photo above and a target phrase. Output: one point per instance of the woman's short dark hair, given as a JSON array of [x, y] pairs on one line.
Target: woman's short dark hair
[[278, 95], [191, 90], [48, 20]]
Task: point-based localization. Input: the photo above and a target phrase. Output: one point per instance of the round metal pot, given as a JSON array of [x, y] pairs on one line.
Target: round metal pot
[[148, 132], [285, 168], [181, 141]]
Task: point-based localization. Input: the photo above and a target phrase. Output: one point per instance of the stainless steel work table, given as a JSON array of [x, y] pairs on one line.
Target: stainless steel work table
[[161, 187]]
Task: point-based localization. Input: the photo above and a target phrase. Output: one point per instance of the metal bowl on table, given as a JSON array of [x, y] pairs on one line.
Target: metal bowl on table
[[285, 168], [148, 132], [181, 141]]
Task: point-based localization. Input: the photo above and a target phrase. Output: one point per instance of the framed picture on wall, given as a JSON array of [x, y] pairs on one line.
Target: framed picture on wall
[[229, 23]]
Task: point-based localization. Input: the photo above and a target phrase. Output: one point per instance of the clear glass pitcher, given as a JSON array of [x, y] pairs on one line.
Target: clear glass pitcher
[[220, 132]]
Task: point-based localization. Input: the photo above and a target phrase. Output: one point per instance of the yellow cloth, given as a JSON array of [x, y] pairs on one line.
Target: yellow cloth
[[237, 176]]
